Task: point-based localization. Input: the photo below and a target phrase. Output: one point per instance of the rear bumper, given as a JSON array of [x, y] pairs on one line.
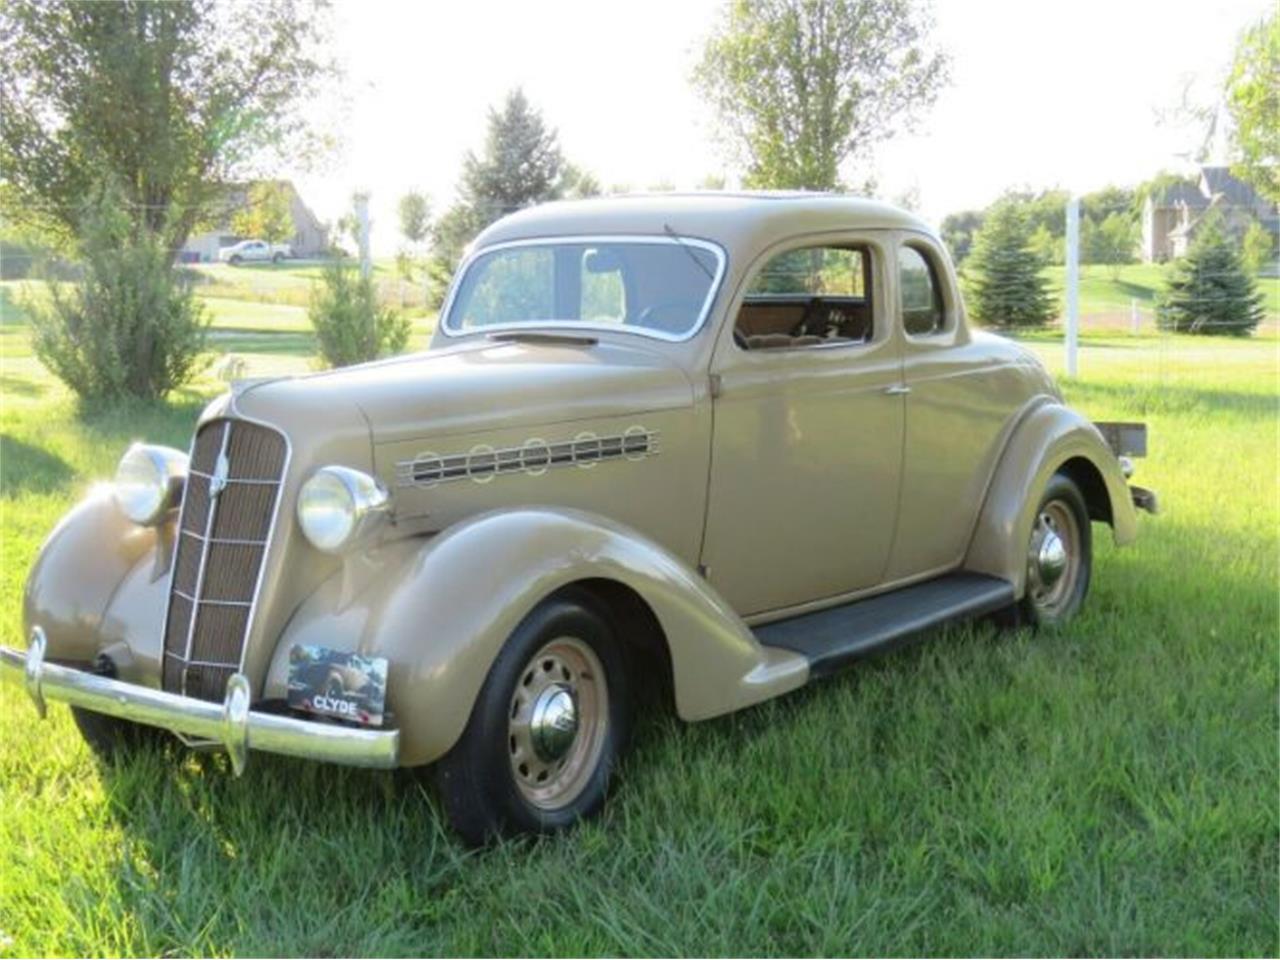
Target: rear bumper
[[230, 723]]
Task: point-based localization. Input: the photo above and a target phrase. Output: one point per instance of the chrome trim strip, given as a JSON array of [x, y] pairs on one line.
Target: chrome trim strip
[[713, 289], [230, 723], [229, 480], [211, 603], [533, 457], [227, 540], [219, 664], [204, 552], [271, 530]]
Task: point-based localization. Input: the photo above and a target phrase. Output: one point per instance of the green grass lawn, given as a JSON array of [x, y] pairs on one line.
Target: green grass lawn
[[1109, 789], [1105, 297]]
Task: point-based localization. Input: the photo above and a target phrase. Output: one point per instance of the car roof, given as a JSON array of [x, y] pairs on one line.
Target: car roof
[[741, 222]]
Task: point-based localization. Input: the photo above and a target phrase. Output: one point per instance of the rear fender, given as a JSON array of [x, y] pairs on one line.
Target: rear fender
[[440, 611], [1050, 438]]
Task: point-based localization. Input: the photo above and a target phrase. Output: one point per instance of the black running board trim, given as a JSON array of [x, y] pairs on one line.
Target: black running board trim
[[833, 637]]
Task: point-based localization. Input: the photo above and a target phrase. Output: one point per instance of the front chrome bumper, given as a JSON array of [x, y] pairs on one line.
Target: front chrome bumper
[[230, 723]]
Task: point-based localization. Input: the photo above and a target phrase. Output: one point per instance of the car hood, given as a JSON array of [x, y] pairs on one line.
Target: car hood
[[473, 387]]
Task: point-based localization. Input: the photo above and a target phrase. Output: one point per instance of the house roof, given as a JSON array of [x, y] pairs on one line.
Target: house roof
[[1219, 181], [1183, 194]]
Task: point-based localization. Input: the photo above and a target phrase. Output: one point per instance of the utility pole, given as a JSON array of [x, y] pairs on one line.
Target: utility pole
[[362, 217], [1073, 282]]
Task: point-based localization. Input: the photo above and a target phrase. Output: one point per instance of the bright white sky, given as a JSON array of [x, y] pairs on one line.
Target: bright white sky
[[1042, 94]]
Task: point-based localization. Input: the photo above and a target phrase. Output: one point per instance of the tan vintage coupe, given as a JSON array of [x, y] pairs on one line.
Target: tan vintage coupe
[[720, 444]]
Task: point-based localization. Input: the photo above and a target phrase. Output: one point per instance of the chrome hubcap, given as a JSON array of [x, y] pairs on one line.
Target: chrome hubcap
[[558, 723], [1053, 557], [554, 723]]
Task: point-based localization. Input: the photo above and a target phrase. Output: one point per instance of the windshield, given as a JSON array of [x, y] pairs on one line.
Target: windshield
[[660, 287]]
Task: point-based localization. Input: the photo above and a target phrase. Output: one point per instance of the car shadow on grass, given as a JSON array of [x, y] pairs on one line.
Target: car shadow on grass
[[27, 468]]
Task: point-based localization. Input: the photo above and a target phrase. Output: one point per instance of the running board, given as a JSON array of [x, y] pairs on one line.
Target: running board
[[833, 637]]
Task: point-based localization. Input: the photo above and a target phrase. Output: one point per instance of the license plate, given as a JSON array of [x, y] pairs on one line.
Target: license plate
[[334, 683]]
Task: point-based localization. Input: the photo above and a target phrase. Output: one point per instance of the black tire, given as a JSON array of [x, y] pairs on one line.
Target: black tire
[[276, 258], [1056, 607], [235, 260], [478, 780], [111, 738]]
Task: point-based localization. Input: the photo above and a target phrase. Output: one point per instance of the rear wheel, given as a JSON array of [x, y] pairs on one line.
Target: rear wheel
[[546, 730], [277, 257], [111, 738], [1059, 557], [235, 260]]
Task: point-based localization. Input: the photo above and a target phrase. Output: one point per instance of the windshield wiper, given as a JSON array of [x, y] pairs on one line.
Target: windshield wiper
[[689, 250], [542, 336]]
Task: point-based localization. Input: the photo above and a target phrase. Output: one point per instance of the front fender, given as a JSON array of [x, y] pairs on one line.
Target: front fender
[[72, 586], [440, 611], [1050, 436]]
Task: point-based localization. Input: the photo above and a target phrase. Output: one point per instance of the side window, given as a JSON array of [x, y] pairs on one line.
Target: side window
[[923, 310], [810, 297]]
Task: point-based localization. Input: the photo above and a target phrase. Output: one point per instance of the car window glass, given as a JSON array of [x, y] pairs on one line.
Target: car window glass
[[659, 287], [519, 284], [922, 307], [604, 296], [808, 297]]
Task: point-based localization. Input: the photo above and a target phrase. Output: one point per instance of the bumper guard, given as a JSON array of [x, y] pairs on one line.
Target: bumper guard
[[230, 723]]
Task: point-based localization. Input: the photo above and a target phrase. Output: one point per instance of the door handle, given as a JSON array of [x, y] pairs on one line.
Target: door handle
[[897, 390]]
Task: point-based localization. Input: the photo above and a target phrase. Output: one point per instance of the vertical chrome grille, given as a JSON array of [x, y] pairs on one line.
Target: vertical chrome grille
[[230, 503]]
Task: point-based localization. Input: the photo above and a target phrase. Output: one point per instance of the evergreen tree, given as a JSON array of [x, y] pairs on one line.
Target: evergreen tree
[[1005, 287], [1209, 291], [521, 165]]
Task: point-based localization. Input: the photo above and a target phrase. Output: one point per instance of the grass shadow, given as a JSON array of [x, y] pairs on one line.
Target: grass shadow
[[25, 467], [21, 386]]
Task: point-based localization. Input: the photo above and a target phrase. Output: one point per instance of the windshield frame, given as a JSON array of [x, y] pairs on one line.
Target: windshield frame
[[713, 289]]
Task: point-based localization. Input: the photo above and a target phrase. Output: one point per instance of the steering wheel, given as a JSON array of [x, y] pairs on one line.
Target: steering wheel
[[647, 316], [814, 314]]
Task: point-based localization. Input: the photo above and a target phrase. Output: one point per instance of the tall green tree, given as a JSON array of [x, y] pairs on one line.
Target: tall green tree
[[121, 125], [170, 101], [267, 213], [1209, 291], [802, 86], [521, 165], [414, 210], [1004, 285], [1253, 100], [1257, 248], [1111, 242], [958, 230]]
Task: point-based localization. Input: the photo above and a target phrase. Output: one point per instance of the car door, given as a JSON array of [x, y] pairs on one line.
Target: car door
[[957, 412], [807, 430]]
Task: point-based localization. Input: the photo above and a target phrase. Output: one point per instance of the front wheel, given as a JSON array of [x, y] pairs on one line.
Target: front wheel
[[546, 730], [276, 258], [235, 260], [1059, 557]]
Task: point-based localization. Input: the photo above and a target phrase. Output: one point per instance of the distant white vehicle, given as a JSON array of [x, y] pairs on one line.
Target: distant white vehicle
[[256, 251]]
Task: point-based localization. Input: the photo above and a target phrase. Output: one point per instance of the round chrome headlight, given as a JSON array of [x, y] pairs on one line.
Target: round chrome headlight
[[338, 506], [149, 482]]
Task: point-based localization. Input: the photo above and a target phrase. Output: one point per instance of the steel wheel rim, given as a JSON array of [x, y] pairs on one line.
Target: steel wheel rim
[[1051, 595], [564, 670]]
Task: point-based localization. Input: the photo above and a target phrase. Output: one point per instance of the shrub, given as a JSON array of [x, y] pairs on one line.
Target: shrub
[[1257, 248], [1209, 291], [130, 326], [349, 324], [1005, 287]]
